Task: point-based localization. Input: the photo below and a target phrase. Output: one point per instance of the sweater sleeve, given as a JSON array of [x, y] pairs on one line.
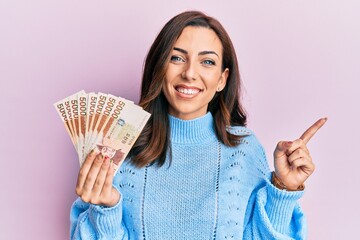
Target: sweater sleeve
[[272, 213], [89, 221]]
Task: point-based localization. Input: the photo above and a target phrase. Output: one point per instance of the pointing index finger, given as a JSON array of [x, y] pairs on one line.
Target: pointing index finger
[[310, 132]]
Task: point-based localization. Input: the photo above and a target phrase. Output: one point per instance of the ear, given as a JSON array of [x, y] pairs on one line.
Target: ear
[[223, 80]]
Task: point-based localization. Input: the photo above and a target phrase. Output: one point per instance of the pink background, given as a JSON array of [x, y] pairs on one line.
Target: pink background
[[299, 61]]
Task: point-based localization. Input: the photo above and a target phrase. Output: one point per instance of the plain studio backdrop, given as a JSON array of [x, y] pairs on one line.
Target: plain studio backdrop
[[299, 61]]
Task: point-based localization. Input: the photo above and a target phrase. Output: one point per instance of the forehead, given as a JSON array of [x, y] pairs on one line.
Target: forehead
[[196, 39]]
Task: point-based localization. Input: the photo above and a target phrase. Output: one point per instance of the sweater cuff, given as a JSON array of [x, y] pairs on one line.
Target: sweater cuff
[[280, 206], [107, 220]]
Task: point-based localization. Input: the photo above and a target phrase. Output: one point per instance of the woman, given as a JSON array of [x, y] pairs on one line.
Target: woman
[[196, 171]]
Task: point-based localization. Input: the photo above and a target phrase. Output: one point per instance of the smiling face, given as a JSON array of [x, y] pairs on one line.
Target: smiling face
[[194, 73]]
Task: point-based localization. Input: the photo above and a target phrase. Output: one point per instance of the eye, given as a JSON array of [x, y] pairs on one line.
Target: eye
[[176, 59], [208, 62]]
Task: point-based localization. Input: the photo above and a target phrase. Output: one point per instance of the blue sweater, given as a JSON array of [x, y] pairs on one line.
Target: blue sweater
[[209, 191]]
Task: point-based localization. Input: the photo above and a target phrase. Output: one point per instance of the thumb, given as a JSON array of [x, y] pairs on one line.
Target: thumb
[[282, 148]]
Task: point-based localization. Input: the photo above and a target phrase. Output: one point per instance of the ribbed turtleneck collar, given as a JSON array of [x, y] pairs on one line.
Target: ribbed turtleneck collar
[[196, 130]]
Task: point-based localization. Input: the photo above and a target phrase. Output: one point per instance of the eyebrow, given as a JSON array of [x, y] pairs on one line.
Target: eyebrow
[[200, 53]]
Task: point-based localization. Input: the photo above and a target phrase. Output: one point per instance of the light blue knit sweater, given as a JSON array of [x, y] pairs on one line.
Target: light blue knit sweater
[[210, 191]]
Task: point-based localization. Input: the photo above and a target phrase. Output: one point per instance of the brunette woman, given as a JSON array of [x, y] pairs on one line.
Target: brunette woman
[[196, 171]]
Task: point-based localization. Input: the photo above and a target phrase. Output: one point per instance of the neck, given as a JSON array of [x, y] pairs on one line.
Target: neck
[[197, 130]]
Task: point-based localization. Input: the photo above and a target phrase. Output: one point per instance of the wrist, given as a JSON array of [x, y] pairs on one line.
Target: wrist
[[280, 185], [115, 197]]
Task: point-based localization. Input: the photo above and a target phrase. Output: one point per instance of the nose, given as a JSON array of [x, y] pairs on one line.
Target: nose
[[190, 71]]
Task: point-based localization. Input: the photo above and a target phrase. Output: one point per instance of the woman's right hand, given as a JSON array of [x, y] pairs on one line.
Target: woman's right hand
[[94, 184]]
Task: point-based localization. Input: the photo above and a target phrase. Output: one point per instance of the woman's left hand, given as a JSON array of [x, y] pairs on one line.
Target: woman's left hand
[[292, 160]]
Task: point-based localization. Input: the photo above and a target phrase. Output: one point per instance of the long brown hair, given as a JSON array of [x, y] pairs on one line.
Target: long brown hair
[[152, 144]]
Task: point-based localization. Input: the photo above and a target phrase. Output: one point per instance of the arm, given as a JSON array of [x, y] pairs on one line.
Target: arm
[[275, 214], [90, 221], [97, 214], [272, 213]]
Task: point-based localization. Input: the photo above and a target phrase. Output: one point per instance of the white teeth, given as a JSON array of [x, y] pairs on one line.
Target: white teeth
[[188, 91]]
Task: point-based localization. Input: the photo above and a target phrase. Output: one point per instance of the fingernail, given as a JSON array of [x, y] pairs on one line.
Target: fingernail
[[113, 166], [289, 143], [92, 152], [95, 151], [106, 159]]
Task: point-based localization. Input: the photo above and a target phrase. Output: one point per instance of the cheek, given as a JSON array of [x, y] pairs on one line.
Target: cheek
[[165, 87], [171, 72], [211, 77], [166, 90], [212, 84]]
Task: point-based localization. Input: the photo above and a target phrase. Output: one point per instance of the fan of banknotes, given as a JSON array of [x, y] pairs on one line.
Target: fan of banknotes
[[103, 121]]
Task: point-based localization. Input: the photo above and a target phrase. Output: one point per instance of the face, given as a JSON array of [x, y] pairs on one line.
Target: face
[[194, 73]]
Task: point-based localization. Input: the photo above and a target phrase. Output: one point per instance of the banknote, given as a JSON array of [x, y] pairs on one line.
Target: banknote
[[102, 115], [99, 105], [98, 120], [60, 107], [82, 108], [73, 103], [64, 110], [120, 131], [123, 133], [92, 97]]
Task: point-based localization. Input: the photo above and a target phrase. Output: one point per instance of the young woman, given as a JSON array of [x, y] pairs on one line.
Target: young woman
[[196, 171]]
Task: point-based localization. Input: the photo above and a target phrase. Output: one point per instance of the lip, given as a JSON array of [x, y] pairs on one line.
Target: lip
[[188, 88]]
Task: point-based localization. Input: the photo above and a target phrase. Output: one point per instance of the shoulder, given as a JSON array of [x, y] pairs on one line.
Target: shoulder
[[247, 136], [239, 130], [249, 147]]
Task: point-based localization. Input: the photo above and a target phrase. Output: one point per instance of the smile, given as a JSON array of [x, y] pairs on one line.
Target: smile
[[187, 91]]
